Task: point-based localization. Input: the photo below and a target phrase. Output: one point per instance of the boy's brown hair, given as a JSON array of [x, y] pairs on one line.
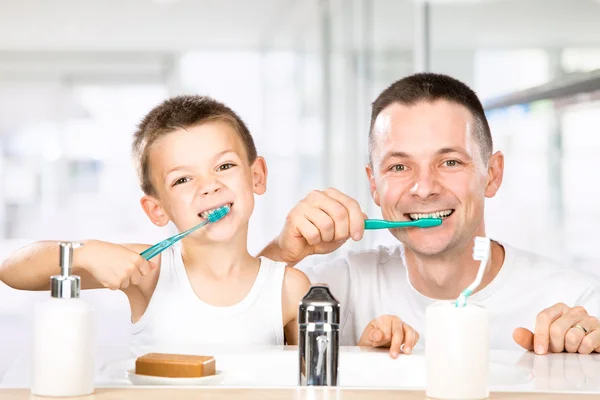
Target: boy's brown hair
[[177, 113]]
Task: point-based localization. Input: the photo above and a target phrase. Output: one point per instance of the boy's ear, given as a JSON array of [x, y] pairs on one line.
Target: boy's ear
[[259, 175], [154, 210]]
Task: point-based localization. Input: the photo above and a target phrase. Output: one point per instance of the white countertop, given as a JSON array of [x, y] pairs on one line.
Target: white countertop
[[277, 366]]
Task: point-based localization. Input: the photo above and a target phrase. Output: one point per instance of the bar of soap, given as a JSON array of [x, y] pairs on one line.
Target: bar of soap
[[175, 365]]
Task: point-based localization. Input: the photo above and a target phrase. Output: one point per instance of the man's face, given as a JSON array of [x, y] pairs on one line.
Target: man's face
[[426, 163]]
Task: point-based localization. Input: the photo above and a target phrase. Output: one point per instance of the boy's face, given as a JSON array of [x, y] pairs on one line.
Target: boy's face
[[201, 168]]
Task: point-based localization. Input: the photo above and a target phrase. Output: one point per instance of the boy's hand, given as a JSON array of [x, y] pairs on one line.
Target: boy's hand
[[319, 224], [114, 266], [390, 331]]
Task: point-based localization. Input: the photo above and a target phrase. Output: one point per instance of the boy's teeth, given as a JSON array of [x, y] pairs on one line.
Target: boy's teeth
[[204, 214], [437, 214]]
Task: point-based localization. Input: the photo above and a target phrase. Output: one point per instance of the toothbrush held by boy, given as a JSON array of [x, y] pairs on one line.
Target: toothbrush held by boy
[[193, 155]]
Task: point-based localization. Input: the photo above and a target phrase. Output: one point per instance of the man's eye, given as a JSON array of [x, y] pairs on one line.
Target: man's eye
[[398, 168], [452, 163]]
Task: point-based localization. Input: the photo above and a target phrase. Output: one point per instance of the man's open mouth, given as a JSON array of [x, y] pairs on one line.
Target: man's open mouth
[[204, 214], [437, 214]]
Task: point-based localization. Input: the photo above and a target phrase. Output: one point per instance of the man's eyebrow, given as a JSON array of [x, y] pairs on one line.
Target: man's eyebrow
[[396, 154], [448, 150]]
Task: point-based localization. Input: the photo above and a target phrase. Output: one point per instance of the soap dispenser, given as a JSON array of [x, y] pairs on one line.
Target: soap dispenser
[[63, 363]]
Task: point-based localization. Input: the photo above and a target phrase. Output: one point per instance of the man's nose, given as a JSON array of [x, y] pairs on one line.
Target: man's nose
[[426, 184]]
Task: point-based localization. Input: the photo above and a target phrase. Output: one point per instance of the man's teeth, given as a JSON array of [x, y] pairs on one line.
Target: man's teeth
[[437, 214], [205, 214]]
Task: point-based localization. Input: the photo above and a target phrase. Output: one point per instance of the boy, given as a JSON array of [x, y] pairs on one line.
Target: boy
[[193, 154]]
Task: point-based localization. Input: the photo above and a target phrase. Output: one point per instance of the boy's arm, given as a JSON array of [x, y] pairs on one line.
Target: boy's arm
[[99, 264], [295, 286]]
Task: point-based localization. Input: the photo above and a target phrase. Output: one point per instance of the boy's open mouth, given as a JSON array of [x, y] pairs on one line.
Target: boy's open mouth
[[437, 214], [204, 214]]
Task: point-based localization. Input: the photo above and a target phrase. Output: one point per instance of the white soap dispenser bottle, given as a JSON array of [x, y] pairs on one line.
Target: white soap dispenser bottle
[[63, 363]]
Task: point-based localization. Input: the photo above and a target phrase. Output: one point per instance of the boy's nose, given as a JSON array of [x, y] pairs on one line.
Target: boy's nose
[[210, 188]]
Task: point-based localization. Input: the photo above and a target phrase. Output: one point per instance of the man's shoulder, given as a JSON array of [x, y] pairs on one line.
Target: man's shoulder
[[539, 265]]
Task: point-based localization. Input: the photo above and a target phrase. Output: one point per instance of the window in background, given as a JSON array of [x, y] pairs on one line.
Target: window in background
[[580, 59], [70, 174], [499, 72], [581, 146]]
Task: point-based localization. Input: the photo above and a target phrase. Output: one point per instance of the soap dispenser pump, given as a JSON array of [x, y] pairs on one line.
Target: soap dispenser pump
[[63, 363]]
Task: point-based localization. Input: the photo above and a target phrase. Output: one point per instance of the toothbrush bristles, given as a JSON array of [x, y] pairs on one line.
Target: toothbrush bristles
[[217, 214]]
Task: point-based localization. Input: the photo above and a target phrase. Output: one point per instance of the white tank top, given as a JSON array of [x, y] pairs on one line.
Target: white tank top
[[176, 318]]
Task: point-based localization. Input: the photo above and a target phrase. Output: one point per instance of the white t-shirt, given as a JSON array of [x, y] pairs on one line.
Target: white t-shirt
[[371, 283], [177, 319]]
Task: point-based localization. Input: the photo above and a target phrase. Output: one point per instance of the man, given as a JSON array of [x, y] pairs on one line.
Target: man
[[431, 156]]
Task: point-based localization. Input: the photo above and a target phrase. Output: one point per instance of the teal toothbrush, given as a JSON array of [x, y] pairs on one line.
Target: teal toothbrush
[[158, 248], [419, 223]]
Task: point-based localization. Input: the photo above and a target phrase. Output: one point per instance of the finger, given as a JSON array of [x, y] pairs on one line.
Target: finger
[[384, 324], [322, 221], [573, 339], [397, 337], [125, 283], [524, 338], [356, 215], [410, 339], [135, 278], [590, 342], [541, 337], [369, 334], [376, 335], [559, 328], [308, 231], [143, 266], [338, 212]]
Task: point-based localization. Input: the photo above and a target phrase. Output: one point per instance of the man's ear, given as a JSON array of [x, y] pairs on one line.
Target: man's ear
[[259, 175], [495, 174], [372, 184], [154, 210]]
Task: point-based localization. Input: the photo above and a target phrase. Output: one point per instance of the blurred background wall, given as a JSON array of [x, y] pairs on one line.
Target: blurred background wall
[[77, 75]]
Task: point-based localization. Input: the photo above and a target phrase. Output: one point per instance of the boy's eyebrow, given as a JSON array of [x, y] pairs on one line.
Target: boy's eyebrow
[[219, 154], [222, 153]]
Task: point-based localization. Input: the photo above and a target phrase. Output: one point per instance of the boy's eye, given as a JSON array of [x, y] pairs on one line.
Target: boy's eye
[[181, 180], [226, 166]]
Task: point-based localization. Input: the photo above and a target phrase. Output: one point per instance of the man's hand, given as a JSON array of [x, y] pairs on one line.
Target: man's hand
[[561, 328], [319, 224], [390, 331]]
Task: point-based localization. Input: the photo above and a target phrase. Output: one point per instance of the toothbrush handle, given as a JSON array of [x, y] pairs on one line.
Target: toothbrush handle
[[152, 251], [158, 248], [376, 224]]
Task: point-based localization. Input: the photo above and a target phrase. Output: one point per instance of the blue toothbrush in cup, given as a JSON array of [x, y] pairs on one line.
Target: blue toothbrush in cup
[[212, 217]]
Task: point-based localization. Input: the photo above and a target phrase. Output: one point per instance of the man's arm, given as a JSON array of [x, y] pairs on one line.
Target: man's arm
[[319, 224]]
